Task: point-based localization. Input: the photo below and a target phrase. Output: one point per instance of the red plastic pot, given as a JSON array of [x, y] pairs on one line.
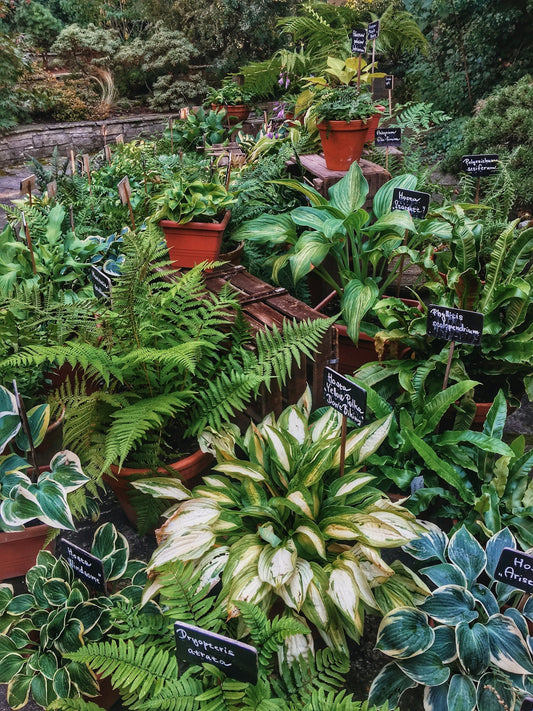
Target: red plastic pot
[[193, 242], [342, 142]]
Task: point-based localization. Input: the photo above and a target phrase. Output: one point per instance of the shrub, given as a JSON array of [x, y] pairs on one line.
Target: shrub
[[504, 125]]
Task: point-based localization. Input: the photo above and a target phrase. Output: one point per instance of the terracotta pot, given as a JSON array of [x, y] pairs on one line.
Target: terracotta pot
[[189, 470], [372, 124], [342, 142], [19, 549], [234, 112], [352, 356], [193, 242], [234, 257]]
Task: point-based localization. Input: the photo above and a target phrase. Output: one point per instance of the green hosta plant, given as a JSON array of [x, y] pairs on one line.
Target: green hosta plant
[[183, 201], [230, 93], [339, 227], [277, 522], [25, 494], [458, 644], [58, 615]]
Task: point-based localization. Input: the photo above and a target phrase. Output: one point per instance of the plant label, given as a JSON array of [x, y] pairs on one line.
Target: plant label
[[415, 202], [195, 645], [27, 186], [85, 164], [184, 113], [388, 137], [86, 566], [344, 396], [527, 704], [455, 324], [124, 190], [51, 189], [107, 153], [358, 38], [480, 165], [516, 569], [101, 284], [373, 30], [119, 138], [389, 82]]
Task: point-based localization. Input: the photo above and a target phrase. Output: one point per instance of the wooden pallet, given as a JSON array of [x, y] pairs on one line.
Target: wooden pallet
[[264, 306]]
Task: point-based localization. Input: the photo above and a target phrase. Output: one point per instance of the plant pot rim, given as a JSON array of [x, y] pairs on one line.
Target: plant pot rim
[[342, 125], [36, 531], [193, 459], [215, 226]]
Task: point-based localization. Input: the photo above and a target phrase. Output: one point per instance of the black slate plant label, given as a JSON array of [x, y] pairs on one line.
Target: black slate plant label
[[101, 284], [481, 164], [516, 569], [527, 704], [389, 82], [195, 645], [388, 137], [415, 202], [455, 324], [373, 30], [358, 41], [344, 396], [86, 566]]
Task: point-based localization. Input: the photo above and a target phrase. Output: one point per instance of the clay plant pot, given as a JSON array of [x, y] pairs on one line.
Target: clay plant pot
[[342, 142], [234, 257], [193, 242], [235, 113], [189, 470], [372, 124], [19, 549], [352, 356]]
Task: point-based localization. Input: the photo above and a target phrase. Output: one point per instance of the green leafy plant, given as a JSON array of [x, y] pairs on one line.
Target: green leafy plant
[[341, 228], [199, 127], [187, 200], [458, 644], [317, 547], [58, 615], [229, 94]]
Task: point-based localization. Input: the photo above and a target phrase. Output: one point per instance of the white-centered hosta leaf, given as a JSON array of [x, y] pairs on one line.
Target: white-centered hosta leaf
[[310, 536], [344, 592], [192, 513], [360, 580], [188, 546], [277, 564], [163, 487], [294, 591]]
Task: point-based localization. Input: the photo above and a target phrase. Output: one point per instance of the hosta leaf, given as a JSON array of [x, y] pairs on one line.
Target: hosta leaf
[[388, 686], [240, 470], [189, 546], [431, 544], [310, 537], [425, 668], [444, 574], [444, 644], [473, 647], [467, 554], [276, 565], [436, 698], [294, 591], [357, 299], [508, 650], [450, 605], [38, 420], [461, 694], [11, 665], [404, 632], [18, 691], [349, 193], [163, 487], [495, 545], [494, 692], [61, 683]]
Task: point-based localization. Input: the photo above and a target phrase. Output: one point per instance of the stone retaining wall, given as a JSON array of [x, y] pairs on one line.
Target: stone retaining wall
[[39, 140]]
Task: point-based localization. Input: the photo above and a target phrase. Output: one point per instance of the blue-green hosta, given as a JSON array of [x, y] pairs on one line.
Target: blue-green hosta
[[24, 497], [56, 616], [467, 654], [275, 521]]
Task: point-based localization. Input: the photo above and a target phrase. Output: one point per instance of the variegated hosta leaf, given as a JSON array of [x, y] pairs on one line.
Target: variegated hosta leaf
[[405, 525], [345, 596], [243, 553], [188, 546], [431, 544], [277, 565], [349, 483], [388, 686], [494, 547], [317, 606], [212, 565], [425, 668], [327, 427], [374, 531], [255, 444], [280, 447], [247, 587], [436, 698], [495, 692], [38, 421], [295, 646], [350, 563], [508, 650], [450, 605], [66, 470], [404, 633], [294, 421], [466, 553], [305, 403], [294, 591], [163, 487], [309, 537], [444, 645], [461, 694], [302, 499], [18, 691], [192, 513], [46, 501], [240, 470], [220, 442], [473, 647], [372, 564]]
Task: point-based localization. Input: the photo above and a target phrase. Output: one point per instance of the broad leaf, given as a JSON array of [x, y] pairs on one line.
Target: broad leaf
[[461, 694], [404, 633], [450, 605], [473, 647]]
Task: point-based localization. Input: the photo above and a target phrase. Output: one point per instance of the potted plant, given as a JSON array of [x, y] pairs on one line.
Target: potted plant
[[458, 644], [232, 98], [169, 358], [193, 215], [338, 227], [58, 615], [31, 494], [277, 524]]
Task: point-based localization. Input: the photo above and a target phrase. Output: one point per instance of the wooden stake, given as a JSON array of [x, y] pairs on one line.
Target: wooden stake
[[26, 428], [228, 170], [373, 61], [400, 271], [28, 240], [72, 163], [103, 131], [51, 189], [360, 56], [448, 365], [71, 215], [343, 445], [171, 134], [386, 158], [476, 199], [27, 185], [124, 191], [107, 153]]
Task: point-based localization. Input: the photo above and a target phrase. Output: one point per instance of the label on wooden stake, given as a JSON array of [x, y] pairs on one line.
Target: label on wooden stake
[[344, 396], [389, 82], [119, 138], [516, 569], [107, 153], [480, 165], [373, 30], [27, 185], [455, 324], [124, 190], [86, 566], [195, 645], [51, 189], [85, 164], [388, 137], [358, 38], [415, 202]]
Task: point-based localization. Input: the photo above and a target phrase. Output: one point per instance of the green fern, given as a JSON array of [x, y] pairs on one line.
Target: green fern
[[76, 704], [325, 670]]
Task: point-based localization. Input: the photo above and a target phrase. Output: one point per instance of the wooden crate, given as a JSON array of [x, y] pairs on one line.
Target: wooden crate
[[263, 306]]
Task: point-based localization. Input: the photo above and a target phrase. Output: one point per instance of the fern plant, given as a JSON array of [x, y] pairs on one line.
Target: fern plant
[[169, 359]]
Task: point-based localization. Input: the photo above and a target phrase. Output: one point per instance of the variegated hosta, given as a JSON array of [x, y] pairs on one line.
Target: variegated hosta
[[277, 521], [24, 497], [458, 644]]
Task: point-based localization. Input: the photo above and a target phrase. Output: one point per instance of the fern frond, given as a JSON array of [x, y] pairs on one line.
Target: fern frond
[[178, 695], [76, 704], [325, 670], [133, 669]]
